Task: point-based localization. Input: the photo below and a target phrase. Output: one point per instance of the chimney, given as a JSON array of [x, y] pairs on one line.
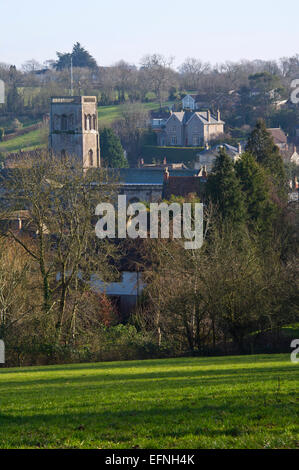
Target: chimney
[[218, 115], [208, 115]]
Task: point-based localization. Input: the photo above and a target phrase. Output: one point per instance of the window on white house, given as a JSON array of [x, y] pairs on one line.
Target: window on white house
[[173, 140]]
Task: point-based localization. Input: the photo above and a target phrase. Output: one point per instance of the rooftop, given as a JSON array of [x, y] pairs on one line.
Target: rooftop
[[73, 99]]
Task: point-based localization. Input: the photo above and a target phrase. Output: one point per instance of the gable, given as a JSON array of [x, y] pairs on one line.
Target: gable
[[189, 99], [175, 118]]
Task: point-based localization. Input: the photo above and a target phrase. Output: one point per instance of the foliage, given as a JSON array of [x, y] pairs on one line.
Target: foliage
[[224, 190], [80, 58], [64, 248], [112, 153], [261, 145], [256, 188]]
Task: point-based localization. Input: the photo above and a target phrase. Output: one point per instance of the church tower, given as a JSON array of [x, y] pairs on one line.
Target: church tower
[[74, 129]]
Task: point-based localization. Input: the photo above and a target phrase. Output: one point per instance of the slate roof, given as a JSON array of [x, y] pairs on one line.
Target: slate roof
[[215, 150], [203, 116], [185, 116], [149, 176], [278, 135]]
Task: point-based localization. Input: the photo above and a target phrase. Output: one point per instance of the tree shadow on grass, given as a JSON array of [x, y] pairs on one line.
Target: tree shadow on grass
[[151, 363], [162, 423], [182, 377]]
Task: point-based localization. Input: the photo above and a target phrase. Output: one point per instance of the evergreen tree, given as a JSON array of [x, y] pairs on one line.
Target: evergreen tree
[[224, 190], [112, 152], [80, 56], [14, 102], [261, 145], [255, 187]]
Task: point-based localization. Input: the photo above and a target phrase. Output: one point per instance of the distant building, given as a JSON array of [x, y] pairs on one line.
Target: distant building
[[195, 102], [74, 129], [189, 102], [280, 138], [147, 184], [184, 184], [125, 292], [187, 128], [207, 157]]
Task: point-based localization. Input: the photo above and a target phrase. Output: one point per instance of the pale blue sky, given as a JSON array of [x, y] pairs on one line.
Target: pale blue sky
[[213, 30]]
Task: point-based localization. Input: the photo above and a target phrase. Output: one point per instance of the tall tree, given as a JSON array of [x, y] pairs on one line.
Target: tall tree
[[224, 189], [80, 57], [159, 74], [261, 145], [112, 152], [255, 186]]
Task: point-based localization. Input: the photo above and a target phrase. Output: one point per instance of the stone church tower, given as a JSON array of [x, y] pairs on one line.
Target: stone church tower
[[74, 129]]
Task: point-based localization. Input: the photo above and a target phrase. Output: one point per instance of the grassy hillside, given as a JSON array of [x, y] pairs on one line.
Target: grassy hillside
[[109, 114], [242, 402], [29, 141]]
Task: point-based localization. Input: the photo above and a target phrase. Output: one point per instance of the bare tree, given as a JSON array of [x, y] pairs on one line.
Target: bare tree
[[159, 74], [59, 201], [192, 71]]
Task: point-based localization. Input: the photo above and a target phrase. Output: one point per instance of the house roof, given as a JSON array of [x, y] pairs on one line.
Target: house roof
[[179, 115], [192, 96], [185, 116], [203, 116], [214, 151], [278, 135]]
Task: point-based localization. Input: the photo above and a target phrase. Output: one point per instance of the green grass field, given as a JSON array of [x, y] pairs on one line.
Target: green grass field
[[236, 402], [30, 141]]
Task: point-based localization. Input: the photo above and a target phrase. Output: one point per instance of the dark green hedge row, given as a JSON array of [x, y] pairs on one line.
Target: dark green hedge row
[[152, 153]]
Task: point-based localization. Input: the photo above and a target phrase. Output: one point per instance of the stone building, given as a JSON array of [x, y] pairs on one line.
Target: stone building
[[187, 128], [207, 157], [74, 129]]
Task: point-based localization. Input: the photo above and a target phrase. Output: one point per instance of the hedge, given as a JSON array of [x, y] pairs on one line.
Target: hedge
[[152, 153]]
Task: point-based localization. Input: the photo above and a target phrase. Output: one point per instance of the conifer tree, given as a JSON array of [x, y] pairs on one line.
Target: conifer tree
[[112, 152], [261, 145], [255, 187], [224, 190]]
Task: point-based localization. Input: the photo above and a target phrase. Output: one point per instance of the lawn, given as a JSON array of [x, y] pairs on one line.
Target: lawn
[[236, 402], [109, 114]]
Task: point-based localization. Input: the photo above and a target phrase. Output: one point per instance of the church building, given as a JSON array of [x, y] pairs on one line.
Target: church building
[[74, 129]]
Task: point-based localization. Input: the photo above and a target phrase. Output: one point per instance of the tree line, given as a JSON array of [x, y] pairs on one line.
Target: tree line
[[250, 88]]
